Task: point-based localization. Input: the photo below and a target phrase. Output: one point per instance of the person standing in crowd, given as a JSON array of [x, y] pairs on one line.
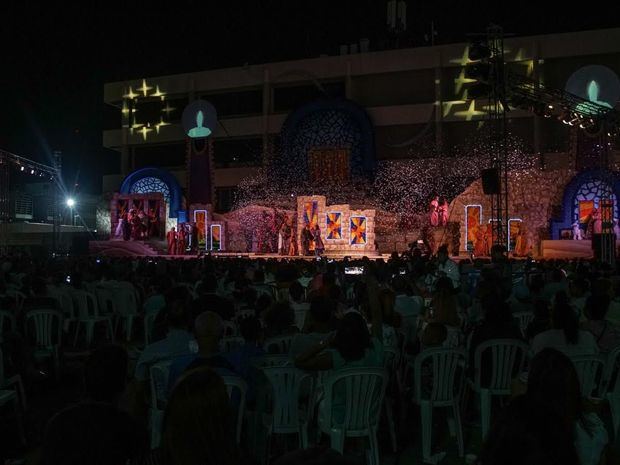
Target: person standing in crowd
[[434, 211], [181, 240], [306, 237], [318, 242], [172, 241]]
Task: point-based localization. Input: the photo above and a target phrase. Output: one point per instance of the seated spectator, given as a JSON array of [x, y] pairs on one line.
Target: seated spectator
[[497, 324], [564, 334], [557, 283], [319, 325], [520, 300], [541, 321], [199, 422], [444, 305], [579, 292], [40, 298], [351, 345], [528, 432], [175, 344], [208, 330], [607, 336], [553, 381], [96, 431], [208, 300], [252, 333], [156, 300], [280, 320], [433, 336], [405, 304]]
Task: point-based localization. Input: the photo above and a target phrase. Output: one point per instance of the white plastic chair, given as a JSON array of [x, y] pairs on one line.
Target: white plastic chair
[[271, 360], [300, 318], [286, 417], [149, 321], [126, 308], [282, 343], [453, 338], [7, 322], [362, 390], [88, 315], [158, 373], [235, 383], [10, 395], [590, 372], [232, 343], [445, 368], [507, 359], [66, 305], [523, 319], [47, 325], [612, 387]]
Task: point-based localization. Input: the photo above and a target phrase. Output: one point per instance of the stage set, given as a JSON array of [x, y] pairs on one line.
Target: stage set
[[327, 205]]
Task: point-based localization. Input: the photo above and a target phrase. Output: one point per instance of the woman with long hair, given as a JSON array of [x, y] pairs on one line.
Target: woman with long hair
[[565, 334], [198, 426]]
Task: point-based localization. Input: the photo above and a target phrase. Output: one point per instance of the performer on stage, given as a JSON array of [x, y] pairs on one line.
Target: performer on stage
[[126, 227], [292, 249], [194, 238], [434, 211], [577, 234], [318, 242], [442, 212], [153, 224], [487, 240], [172, 241], [119, 228], [285, 232], [181, 240], [520, 249], [306, 237]]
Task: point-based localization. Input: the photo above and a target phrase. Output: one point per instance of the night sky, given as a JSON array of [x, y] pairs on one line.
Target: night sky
[[55, 60]]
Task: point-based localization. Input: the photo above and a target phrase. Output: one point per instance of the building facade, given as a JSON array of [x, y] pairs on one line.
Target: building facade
[[416, 99]]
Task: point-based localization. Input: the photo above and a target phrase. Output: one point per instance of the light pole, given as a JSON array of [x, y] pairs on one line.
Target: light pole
[[71, 204]]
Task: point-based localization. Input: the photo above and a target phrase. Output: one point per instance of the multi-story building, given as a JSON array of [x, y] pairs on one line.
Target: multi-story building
[[416, 99]]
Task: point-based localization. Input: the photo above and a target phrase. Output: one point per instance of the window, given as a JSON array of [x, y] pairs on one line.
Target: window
[[248, 102], [159, 155], [289, 98], [237, 152], [149, 185], [225, 198]]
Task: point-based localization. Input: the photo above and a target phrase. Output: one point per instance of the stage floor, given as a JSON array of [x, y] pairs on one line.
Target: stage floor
[[117, 248]]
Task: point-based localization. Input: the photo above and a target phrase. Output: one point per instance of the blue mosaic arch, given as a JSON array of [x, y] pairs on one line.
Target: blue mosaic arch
[[586, 185], [328, 123], [153, 179]]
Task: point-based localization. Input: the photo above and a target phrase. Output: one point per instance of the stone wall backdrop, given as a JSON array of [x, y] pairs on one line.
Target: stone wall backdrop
[[534, 196]]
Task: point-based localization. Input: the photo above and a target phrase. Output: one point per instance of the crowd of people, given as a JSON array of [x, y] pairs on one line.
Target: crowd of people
[[138, 225], [217, 318]]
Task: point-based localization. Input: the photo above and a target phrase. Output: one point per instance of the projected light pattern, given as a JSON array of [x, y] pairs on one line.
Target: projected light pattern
[[358, 230], [151, 184], [334, 226]]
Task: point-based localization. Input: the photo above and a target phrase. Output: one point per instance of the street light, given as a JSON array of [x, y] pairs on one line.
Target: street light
[[71, 203]]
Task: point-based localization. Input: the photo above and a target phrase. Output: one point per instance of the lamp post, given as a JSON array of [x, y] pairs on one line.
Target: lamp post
[[71, 203]]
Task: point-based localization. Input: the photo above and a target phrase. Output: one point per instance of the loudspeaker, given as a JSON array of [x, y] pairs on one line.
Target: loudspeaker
[[490, 181]]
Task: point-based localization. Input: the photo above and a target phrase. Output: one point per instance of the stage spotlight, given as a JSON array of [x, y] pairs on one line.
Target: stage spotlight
[[70, 202], [22, 169], [31, 171]]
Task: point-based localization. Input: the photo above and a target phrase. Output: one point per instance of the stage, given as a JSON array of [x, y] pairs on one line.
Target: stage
[[119, 248]]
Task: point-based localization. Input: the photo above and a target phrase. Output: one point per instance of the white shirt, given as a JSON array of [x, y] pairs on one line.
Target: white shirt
[[555, 339], [451, 270], [177, 343]]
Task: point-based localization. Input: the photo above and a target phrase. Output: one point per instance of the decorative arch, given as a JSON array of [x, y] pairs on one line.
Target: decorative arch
[[146, 177], [329, 122], [584, 184]]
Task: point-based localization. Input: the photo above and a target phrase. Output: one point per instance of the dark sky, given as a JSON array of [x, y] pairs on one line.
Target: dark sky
[[55, 59]]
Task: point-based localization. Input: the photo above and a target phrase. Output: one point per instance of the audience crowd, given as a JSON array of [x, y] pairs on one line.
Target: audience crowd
[[188, 362]]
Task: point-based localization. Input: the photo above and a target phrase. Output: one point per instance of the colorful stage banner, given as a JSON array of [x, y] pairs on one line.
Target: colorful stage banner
[[358, 230], [334, 225], [216, 237], [200, 218], [585, 210], [311, 213]]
